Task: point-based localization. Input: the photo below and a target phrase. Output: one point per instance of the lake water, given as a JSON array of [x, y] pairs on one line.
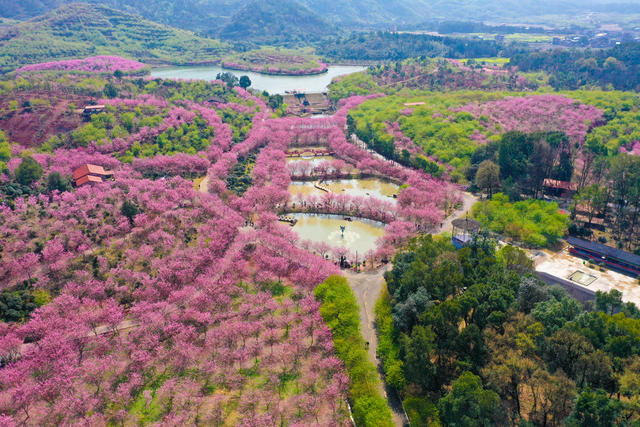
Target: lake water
[[360, 234], [354, 187], [272, 84]]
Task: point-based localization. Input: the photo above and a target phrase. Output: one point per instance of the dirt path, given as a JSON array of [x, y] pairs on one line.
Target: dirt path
[[204, 185], [367, 287]]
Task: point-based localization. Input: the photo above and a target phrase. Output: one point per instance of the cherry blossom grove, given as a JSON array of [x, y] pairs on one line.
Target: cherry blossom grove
[[95, 64], [536, 113], [163, 296]]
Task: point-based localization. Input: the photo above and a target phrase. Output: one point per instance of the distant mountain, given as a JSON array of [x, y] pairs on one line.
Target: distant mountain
[[210, 16], [374, 12], [275, 20], [81, 30]]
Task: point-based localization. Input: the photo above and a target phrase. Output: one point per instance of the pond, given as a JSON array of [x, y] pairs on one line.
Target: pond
[[360, 235], [272, 84], [354, 187], [315, 161]]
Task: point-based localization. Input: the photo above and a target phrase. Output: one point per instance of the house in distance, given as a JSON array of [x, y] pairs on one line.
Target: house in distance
[[88, 174]]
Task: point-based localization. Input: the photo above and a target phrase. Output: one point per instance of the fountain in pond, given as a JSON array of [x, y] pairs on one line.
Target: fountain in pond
[[361, 236], [343, 237]]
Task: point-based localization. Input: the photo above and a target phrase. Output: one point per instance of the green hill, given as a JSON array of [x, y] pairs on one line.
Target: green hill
[[202, 16], [209, 16], [275, 20], [81, 30]]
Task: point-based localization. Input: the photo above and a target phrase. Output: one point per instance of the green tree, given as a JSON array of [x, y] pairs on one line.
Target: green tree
[[110, 91], [513, 155], [28, 171], [507, 373], [55, 181], [340, 311], [229, 78], [275, 101], [515, 259], [594, 198], [624, 175], [5, 148], [609, 302], [595, 408], [129, 210], [245, 82], [564, 350], [531, 292], [469, 404], [421, 412], [488, 177], [553, 397], [418, 350], [17, 305]]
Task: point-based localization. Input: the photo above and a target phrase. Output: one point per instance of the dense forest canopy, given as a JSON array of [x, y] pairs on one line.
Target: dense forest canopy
[[618, 67], [473, 338], [387, 46]]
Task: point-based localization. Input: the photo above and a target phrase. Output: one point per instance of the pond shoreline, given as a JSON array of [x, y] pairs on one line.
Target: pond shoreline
[[344, 216], [159, 66], [329, 177]]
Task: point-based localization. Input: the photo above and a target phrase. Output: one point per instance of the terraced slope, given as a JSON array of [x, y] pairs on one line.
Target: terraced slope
[[81, 30]]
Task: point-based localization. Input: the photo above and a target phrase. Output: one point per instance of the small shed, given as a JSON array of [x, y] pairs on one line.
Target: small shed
[[464, 230], [559, 188]]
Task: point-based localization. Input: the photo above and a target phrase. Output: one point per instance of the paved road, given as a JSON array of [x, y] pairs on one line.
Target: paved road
[[468, 200], [367, 287]]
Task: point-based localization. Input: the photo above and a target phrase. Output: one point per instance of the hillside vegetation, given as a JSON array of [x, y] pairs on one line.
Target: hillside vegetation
[[208, 16], [82, 30], [275, 20], [618, 67], [276, 61], [397, 46]]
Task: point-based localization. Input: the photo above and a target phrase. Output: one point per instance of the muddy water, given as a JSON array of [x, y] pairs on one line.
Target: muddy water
[[360, 234]]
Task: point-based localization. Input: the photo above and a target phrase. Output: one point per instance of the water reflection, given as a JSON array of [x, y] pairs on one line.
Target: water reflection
[[313, 160], [360, 234], [272, 84], [353, 187]]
